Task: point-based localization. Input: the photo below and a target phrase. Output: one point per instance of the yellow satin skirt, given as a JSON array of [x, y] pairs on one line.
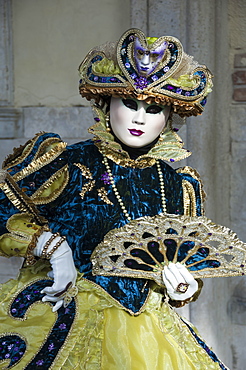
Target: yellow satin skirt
[[103, 335]]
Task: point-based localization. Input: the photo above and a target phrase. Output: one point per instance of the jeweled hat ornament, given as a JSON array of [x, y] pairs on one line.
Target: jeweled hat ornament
[[155, 70]]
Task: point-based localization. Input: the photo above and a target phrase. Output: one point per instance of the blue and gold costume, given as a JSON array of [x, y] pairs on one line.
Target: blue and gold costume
[[114, 322], [70, 190]]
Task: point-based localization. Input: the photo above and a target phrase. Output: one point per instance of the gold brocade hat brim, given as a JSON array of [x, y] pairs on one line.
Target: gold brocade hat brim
[[168, 148], [172, 77]]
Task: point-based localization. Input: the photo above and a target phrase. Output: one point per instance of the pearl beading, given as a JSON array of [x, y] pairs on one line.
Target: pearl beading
[[118, 197]]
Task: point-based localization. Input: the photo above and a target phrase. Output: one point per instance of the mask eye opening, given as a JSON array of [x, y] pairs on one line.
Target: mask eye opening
[[130, 103], [154, 109], [140, 52]]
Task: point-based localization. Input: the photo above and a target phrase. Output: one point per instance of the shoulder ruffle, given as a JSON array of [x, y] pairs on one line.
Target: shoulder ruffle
[[168, 148], [31, 150], [43, 178], [193, 194]]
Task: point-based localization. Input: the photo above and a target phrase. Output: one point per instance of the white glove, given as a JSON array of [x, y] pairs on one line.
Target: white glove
[[63, 271], [179, 282]]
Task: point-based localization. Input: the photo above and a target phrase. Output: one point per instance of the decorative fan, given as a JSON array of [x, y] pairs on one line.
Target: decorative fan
[[144, 246]]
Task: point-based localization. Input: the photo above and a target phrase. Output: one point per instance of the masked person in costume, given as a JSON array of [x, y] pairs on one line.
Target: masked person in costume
[[100, 223]]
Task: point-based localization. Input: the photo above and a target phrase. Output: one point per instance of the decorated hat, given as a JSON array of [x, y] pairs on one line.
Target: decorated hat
[[155, 70]]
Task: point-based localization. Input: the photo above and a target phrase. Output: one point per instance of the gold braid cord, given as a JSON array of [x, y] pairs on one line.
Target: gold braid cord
[[143, 247]]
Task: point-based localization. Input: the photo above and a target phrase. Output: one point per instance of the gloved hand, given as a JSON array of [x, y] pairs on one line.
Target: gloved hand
[[179, 282], [63, 271]]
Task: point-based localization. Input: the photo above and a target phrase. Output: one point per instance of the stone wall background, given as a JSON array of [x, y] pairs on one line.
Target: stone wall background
[[41, 46]]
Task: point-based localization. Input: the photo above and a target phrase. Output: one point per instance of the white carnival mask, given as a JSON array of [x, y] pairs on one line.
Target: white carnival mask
[[147, 60], [136, 123]]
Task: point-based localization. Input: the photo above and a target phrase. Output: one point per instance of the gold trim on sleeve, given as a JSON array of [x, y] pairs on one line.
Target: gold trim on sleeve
[[40, 162], [19, 154], [47, 145], [52, 188], [189, 199], [195, 174]]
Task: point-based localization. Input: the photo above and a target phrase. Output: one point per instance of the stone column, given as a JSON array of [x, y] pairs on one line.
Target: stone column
[[6, 80], [10, 118]]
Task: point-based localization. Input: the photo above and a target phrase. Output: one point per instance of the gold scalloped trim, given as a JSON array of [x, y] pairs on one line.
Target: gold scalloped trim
[[52, 188], [183, 108], [124, 162], [12, 197], [20, 153], [36, 164], [195, 174], [46, 145], [189, 199], [23, 151]]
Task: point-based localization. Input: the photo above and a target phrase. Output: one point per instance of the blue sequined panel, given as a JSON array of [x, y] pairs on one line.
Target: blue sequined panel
[[48, 352]]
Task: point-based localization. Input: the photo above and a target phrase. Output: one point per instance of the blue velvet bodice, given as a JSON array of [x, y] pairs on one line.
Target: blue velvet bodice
[[85, 220]]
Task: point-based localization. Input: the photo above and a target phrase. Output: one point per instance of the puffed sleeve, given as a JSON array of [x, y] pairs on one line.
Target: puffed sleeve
[[34, 174]]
